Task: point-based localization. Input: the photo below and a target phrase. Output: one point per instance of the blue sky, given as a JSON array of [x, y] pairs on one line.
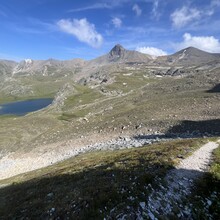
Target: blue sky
[[67, 29]]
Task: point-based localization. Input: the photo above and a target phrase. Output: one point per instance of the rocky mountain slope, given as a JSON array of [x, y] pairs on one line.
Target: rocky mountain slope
[[119, 54], [120, 100], [6, 67], [47, 67], [191, 57], [113, 96], [116, 58], [45, 78]]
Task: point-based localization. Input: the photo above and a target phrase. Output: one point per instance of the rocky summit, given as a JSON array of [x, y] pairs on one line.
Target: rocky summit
[[117, 51]]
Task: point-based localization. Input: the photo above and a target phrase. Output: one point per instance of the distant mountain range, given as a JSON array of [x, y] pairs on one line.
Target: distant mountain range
[[118, 55]]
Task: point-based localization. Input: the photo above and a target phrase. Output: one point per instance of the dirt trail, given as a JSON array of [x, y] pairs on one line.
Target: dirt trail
[[178, 184]]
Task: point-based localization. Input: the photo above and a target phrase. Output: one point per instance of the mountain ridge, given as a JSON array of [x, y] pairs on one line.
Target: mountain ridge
[[192, 56], [99, 69], [118, 54]]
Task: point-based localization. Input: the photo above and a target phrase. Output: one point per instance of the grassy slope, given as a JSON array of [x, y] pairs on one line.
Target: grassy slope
[[28, 128], [154, 103], [90, 185], [130, 101], [40, 87]]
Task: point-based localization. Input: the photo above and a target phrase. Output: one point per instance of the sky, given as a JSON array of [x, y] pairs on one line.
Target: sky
[[68, 29]]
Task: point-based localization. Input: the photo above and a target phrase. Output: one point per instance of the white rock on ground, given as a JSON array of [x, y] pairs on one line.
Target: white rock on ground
[[13, 163]]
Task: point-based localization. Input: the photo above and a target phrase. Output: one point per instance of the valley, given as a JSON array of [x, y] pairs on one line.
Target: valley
[[117, 104], [109, 96]]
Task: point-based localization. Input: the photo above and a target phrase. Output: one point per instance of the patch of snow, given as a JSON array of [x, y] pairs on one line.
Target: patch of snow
[[28, 61], [153, 57], [24, 65], [182, 55]]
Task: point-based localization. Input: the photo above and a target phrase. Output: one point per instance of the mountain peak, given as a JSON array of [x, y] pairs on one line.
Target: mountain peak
[[117, 51], [118, 46], [193, 50]]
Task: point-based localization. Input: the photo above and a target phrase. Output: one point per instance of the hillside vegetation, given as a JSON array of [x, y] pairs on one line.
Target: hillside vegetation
[[123, 99], [93, 185]]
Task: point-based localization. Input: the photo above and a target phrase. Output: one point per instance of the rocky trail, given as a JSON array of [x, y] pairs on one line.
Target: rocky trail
[[178, 184]]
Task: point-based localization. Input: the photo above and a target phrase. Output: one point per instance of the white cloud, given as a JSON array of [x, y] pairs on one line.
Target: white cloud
[[155, 12], [181, 17], [151, 51], [137, 10], [117, 22], [82, 30], [188, 14], [92, 7], [206, 43], [107, 4], [215, 3]]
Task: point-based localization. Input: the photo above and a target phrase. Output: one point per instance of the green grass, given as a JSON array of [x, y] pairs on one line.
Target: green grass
[[127, 83], [41, 86], [90, 185], [24, 132], [215, 167], [83, 96], [154, 103]]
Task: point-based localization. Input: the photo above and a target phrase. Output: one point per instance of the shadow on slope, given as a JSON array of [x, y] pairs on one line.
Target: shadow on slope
[[187, 129], [197, 128], [215, 89], [90, 194], [91, 186]]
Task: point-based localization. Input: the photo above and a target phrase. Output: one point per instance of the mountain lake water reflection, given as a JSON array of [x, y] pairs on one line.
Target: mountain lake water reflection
[[23, 107]]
